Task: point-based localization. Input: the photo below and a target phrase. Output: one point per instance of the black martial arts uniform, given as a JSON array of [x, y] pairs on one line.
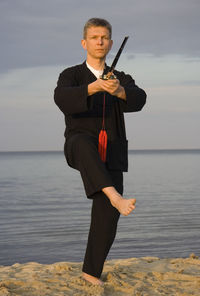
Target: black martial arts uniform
[[83, 118]]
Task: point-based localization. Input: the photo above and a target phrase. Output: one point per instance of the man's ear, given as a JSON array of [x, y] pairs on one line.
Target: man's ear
[[83, 43]]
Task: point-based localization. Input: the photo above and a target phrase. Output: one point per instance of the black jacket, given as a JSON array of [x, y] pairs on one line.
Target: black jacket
[[83, 113]]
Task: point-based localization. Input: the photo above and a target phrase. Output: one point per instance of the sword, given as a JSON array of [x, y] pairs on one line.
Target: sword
[[110, 74]]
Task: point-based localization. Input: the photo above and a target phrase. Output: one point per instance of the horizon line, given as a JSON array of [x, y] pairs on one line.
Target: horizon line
[[135, 149]]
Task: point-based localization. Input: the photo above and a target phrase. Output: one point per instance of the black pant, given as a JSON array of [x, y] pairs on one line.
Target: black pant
[[82, 154]]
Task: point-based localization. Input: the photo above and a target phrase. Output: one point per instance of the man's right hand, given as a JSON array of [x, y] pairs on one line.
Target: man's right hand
[[112, 86], [95, 87]]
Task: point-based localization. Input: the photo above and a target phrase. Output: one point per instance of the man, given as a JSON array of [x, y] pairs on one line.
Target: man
[[86, 101]]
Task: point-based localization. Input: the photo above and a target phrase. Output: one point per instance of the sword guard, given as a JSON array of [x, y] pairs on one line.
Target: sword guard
[[108, 76]]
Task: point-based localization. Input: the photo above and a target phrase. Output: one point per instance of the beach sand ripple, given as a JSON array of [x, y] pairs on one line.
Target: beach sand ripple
[[147, 276]]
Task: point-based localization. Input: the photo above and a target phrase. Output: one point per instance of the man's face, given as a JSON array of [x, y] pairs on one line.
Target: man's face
[[97, 42]]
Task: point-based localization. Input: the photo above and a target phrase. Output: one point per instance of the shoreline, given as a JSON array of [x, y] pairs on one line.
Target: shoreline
[[145, 276]]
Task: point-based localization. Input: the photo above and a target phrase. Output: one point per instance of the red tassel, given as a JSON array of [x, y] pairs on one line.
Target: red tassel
[[102, 144], [103, 136]]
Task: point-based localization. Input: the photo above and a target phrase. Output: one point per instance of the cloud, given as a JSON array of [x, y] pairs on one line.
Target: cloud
[[29, 119], [36, 33]]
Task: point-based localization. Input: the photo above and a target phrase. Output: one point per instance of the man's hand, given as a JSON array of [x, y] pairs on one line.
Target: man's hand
[[112, 86]]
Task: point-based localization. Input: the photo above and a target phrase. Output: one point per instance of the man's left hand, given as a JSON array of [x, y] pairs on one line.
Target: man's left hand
[[113, 87]]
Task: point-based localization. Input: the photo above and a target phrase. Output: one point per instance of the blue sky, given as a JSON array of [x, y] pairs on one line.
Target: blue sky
[[41, 38]]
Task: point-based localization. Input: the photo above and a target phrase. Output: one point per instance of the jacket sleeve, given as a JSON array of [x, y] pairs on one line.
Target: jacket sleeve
[[69, 96], [135, 96]]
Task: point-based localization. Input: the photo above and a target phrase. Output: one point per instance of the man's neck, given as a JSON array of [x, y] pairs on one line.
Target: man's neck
[[97, 64]]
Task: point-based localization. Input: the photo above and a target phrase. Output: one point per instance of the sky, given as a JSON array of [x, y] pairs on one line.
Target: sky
[[40, 38]]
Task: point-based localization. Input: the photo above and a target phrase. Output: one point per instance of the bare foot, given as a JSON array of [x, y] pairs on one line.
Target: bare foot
[[91, 279], [124, 206]]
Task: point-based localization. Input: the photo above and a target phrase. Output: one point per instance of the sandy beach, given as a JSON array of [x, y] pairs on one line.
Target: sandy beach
[[147, 276]]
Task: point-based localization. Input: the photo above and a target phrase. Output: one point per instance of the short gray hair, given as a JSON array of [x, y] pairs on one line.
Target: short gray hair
[[97, 22]]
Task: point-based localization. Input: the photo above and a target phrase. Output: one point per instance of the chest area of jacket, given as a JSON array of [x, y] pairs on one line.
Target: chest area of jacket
[[99, 103]]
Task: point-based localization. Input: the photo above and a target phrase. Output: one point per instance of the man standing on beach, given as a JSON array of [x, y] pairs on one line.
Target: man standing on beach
[[86, 101]]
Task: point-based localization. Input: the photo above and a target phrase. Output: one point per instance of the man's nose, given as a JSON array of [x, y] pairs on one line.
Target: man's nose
[[100, 40]]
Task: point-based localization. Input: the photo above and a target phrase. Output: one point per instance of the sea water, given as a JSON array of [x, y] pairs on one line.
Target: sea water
[[45, 216]]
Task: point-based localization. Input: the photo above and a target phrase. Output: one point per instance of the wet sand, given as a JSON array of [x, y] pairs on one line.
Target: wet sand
[[147, 276]]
